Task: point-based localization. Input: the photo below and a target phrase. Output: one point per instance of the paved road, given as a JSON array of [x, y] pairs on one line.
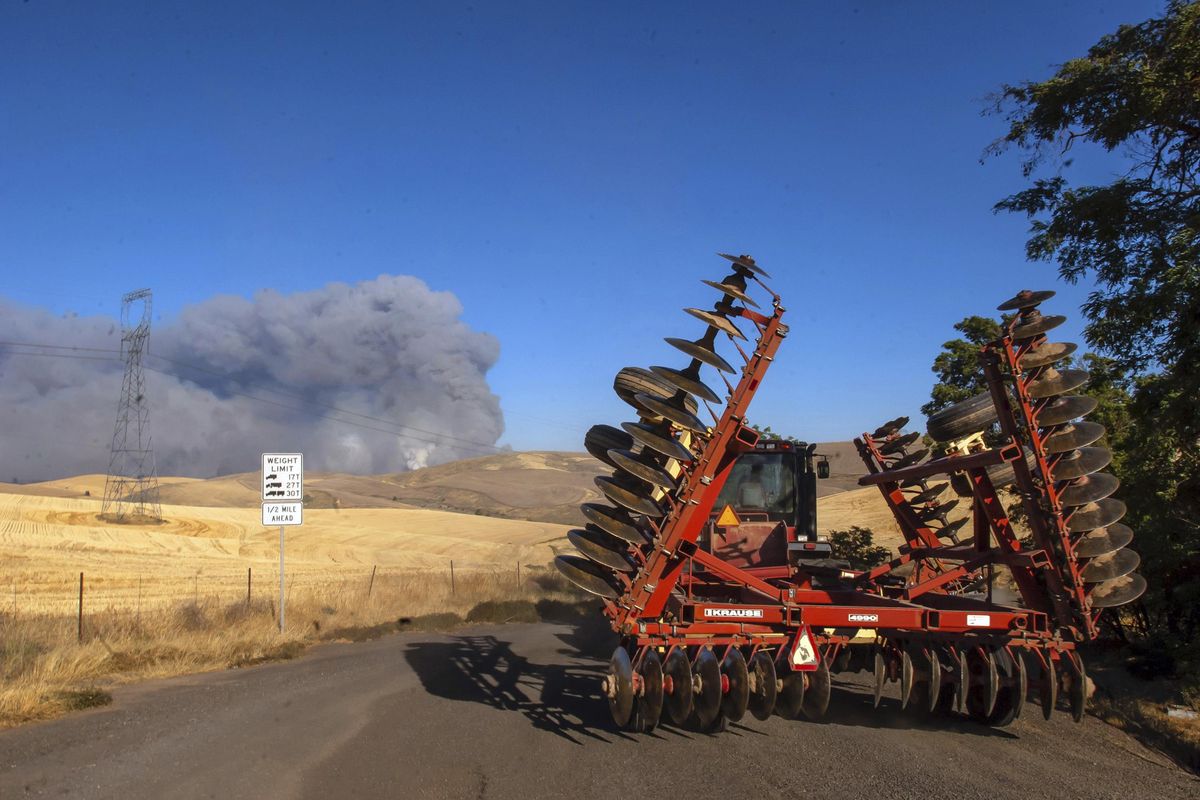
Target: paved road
[[511, 712]]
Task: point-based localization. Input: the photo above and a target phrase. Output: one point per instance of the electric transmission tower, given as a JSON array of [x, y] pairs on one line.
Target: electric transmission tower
[[131, 489]]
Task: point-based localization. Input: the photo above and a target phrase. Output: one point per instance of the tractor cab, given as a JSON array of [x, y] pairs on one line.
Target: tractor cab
[[766, 513]]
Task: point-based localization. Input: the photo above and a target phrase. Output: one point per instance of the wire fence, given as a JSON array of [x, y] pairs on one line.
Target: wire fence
[[89, 596]]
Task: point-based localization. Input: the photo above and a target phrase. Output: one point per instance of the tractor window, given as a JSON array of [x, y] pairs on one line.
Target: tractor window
[[761, 482]]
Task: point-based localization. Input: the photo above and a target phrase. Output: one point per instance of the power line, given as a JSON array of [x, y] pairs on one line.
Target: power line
[[442, 438]]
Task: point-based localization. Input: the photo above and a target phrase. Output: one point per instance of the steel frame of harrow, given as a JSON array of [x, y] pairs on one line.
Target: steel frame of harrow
[[774, 605]]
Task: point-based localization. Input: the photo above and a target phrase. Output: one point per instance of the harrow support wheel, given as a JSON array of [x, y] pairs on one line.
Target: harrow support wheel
[[816, 694], [648, 709], [677, 686], [618, 687], [790, 701], [764, 688], [735, 685], [963, 418], [706, 689]]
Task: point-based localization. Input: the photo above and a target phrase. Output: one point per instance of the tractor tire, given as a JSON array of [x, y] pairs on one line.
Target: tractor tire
[[634, 380], [962, 419], [602, 438]]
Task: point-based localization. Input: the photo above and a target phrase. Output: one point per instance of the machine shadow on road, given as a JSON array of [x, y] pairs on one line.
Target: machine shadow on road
[[561, 699]]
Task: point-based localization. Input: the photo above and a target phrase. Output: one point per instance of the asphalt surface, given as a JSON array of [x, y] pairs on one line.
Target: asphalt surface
[[512, 712]]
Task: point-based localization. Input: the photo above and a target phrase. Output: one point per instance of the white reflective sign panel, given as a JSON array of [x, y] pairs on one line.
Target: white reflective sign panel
[[282, 477], [276, 514]]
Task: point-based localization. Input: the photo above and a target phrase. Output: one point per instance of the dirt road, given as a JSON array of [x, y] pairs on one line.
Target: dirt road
[[511, 712]]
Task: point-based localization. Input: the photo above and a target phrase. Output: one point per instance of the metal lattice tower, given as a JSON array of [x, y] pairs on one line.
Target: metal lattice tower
[[131, 489]]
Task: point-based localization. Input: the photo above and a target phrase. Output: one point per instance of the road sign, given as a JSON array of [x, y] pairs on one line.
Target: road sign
[[282, 477], [282, 514]]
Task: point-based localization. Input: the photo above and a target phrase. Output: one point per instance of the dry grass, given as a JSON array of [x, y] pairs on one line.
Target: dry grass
[[45, 671]]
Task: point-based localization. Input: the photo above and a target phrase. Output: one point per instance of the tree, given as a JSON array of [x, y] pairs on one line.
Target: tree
[[957, 366], [857, 546], [1138, 238], [1137, 91]]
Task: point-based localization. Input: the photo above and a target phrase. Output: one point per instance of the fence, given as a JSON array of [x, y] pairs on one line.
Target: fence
[[87, 598]]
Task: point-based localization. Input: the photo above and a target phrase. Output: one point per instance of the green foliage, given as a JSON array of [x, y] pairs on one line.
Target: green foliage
[[857, 546], [767, 433], [1138, 238], [957, 366]]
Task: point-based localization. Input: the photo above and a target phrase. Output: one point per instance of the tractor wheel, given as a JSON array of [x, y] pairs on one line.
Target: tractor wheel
[[632, 381], [962, 419]]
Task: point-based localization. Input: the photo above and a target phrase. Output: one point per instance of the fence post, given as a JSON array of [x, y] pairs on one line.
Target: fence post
[[139, 604], [518, 574], [371, 585], [80, 627], [452, 576], [249, 571]]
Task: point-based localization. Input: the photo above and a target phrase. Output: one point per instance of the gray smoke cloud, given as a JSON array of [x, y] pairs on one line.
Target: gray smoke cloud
[[389, 348]]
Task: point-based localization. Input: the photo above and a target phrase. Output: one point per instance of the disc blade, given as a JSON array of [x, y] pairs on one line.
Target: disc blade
[[938, 511], [613, 520], [1103, 540], [899, 443], [890, 427], [765, 685], [906, 677], [706, 703], [1088, 489], [677, 686], [1052, 382], [1083, 461], [629, 499], [880, 676], [587, 575], [649, 705], [1048, 689], [791, 696], [639, 468], [1037, 325], [658, 440], [688, 383], [715, 320], [603, 548], [1118, 591], [1073, 435], [698, 349], [908, 460], [746, 263], [1100, 514], [1065, 409], [927, 495], [1047, 354], [668, 409], [736, 292], [1025, 299], [816, 694], [620, 691], [1113, 565], [736, 698], [951, 528]]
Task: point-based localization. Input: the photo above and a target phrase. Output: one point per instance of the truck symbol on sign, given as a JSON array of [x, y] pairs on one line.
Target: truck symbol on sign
[[279, 493], [271, 477], [275, 485]]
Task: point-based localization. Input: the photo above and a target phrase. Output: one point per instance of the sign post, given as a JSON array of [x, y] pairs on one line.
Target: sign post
[[282, 502]]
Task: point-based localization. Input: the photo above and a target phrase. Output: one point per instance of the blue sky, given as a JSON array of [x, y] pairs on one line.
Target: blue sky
[[567, 170]]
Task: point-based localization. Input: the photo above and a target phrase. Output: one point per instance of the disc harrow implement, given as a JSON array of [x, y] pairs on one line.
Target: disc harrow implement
[[725, 611]]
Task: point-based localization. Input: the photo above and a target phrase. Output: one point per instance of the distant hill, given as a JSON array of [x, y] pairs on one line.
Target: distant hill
[[537, 486]]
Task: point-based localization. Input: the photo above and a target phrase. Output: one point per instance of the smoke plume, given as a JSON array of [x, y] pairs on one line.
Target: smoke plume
[[231, 378]]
